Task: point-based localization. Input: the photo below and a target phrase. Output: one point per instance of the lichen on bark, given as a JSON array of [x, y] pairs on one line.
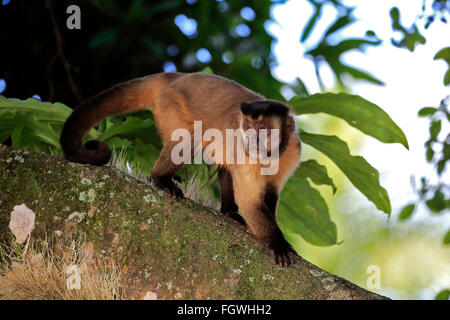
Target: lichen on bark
[[166, 248]]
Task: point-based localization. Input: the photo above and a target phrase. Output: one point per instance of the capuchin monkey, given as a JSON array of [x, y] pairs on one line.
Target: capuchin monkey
[[180, 99]]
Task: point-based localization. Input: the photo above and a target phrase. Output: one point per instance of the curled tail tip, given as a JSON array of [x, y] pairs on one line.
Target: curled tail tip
[[94, 152]]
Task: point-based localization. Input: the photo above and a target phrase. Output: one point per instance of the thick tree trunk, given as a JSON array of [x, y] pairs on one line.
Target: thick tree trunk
[[171, 249]]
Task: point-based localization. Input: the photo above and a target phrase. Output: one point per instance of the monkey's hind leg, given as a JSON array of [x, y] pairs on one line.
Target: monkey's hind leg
[[228, 206], [163, 171]]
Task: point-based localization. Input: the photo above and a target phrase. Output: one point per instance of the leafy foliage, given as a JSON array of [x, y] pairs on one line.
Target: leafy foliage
[[356, 168], [410, 37], [435, 196], [332, 54]]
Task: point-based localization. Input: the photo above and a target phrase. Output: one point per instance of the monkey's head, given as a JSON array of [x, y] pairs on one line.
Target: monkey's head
[[268, 115]]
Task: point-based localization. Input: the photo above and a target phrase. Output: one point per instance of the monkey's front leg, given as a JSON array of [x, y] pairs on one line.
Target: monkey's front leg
[[260, 218]]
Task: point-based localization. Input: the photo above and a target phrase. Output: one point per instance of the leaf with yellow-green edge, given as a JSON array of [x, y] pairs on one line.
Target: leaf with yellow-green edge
[[362, 175], [356, 111], [303, 211], [447, 237], [316, 172]]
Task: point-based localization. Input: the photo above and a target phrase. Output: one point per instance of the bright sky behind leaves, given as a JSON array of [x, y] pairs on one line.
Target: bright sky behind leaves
[[412, 80]]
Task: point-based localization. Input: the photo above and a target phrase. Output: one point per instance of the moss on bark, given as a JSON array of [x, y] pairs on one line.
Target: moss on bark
[[174, 249]]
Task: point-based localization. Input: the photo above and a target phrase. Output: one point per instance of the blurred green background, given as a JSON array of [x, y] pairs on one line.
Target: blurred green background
[[394, 57]]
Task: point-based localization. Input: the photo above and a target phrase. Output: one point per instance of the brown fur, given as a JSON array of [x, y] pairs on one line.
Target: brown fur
[[178, 100]]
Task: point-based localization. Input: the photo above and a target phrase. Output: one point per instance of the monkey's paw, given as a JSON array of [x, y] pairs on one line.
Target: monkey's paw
[[282, 252], [168, 186], [235, 216]]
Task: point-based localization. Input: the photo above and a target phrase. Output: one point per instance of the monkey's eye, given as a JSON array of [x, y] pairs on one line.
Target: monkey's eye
[[261, 126]]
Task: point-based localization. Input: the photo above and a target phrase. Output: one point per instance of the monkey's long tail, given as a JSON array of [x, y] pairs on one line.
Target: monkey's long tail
[[123, 98]]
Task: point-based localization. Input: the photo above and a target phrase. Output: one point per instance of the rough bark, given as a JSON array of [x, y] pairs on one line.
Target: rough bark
[[174, 249]]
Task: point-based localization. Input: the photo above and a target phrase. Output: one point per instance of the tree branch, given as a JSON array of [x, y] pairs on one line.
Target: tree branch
[[168, 248]]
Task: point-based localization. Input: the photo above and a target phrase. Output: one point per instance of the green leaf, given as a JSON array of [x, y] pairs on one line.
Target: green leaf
[[308, 28], [358, 74], [44, 111], [435, 129], [437, 203], [130, 126], [32, 127], [407, 211], [410, 38], [427, 111], [363, 176], [119, 143], [17, 137], [441, 166], [144, 156], [316, 172], [302, 210], [340, 23], [443, 295], [299, 88], [429, 153], [356, 111], [447, 237], [443, 54], [447, 77], [207, 70]]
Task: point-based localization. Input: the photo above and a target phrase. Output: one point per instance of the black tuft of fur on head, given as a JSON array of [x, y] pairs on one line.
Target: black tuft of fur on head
[[265, 108]]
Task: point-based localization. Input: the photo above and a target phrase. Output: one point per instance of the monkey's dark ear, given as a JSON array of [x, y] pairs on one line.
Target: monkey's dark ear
[[246, 108], [290, 124]]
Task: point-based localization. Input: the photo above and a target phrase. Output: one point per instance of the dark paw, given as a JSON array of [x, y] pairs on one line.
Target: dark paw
[[282, 252], [235, 216], [169, 187]]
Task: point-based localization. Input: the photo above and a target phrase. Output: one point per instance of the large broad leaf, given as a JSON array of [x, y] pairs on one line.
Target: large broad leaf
[[302, 210], [24, 126], [356, 168], [44, 111], [358, 112], [316, 172], [34, 125]]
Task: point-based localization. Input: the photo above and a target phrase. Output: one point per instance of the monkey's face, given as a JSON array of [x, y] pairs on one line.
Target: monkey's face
[[262, 122]]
